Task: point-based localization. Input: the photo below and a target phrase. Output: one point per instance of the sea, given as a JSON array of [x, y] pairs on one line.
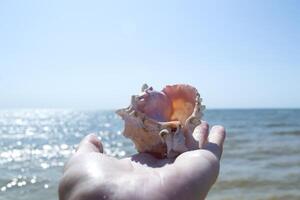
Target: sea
[[261, 158]]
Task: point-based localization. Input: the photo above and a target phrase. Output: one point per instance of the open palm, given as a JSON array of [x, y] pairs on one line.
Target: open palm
[[90, 174]]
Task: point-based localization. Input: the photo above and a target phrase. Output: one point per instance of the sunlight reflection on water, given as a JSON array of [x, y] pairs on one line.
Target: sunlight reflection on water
[[261, 152]]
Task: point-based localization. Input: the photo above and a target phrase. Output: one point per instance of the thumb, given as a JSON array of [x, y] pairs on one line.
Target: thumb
[[90, 144]]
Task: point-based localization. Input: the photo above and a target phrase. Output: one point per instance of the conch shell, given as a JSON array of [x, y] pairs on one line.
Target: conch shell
[[160, 122]]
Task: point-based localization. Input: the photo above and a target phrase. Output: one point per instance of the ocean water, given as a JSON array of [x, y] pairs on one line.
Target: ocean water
[[261, 157]]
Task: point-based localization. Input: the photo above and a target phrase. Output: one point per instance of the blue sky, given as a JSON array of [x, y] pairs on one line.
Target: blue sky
[[95, 54]]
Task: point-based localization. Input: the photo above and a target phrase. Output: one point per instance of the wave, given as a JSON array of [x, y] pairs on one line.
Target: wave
[[256, 183], [295, 133], [278, 125]]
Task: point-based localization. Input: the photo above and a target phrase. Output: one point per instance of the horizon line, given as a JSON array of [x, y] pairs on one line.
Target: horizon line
[[111, 109]]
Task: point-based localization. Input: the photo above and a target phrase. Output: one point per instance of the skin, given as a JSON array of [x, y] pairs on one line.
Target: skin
[[92, 175]]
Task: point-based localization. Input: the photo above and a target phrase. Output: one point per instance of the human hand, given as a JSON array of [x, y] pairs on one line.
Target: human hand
[[91, 175]]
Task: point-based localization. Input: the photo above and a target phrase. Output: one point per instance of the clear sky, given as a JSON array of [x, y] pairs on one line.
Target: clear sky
[[95, 54]]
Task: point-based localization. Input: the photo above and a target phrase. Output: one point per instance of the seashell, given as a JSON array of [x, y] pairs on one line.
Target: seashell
[[160, 122]]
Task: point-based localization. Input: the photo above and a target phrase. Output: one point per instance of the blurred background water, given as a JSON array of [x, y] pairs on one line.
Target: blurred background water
[[261, 155]]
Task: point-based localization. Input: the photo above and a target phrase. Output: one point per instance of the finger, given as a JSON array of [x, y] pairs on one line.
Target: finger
[[201, 133], [216, 139], [217, 135], [90, 144], [199, 136]]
